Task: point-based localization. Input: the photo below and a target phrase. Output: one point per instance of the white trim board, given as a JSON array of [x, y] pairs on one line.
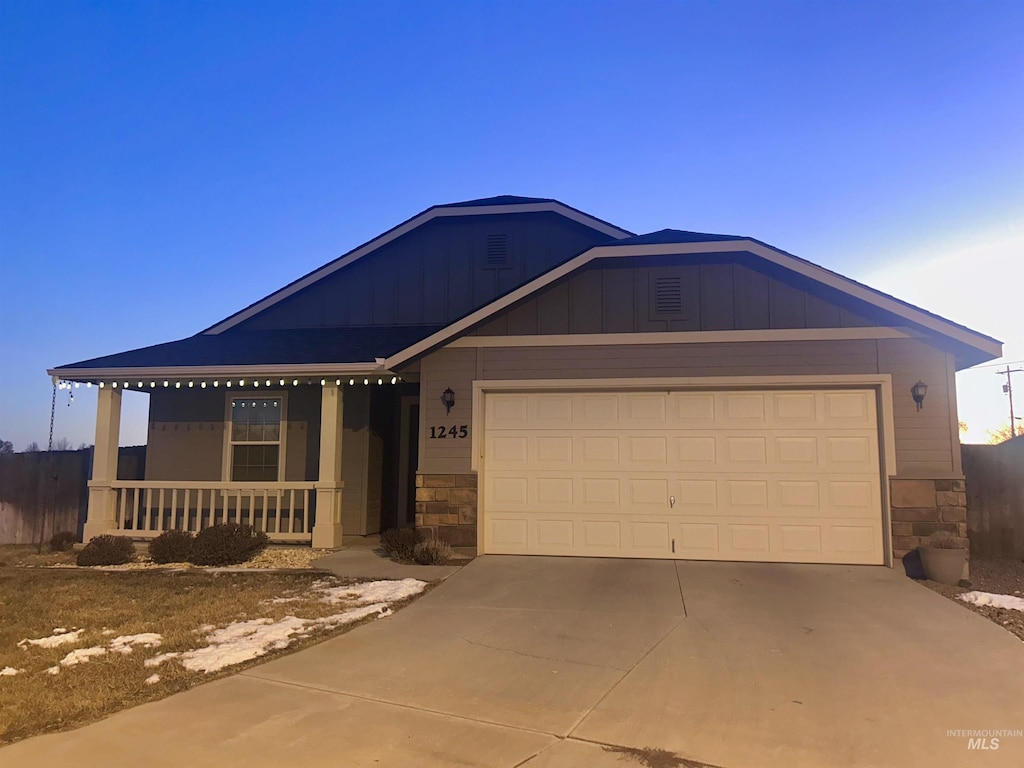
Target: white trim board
[[403, 229], [683, 337], [819, 274]]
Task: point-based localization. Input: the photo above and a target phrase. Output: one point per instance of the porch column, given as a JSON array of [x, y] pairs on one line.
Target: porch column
[[327, 529], [102, 497]]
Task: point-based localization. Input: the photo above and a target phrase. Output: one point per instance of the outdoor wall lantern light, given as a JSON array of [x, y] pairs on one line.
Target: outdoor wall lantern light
[[918, 391], [448, 400]]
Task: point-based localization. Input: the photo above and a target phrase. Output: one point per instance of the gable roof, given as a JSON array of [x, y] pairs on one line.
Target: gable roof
[[669, 242], [504, 204]]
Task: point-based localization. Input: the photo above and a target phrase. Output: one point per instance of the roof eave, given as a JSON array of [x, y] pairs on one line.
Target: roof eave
[[987, 347], [308, 370]]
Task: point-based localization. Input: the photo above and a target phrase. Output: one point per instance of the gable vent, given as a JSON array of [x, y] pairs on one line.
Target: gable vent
[[497, 251], [668, 296]]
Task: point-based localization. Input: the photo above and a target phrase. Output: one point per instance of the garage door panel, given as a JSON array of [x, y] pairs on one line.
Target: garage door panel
[[790, 476]]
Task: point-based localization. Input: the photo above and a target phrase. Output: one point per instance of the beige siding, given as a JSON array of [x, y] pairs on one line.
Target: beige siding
[[446, 368], [186, 435], [374, 471], [924, 446], [924, 443], [355, 459]]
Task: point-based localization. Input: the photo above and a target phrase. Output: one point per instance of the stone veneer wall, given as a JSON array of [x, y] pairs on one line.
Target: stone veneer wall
[[921, 507], [446, 508]]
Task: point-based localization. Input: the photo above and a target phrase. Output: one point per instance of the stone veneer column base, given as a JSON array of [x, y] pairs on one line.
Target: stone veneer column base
[[921, 507], [446, 508]]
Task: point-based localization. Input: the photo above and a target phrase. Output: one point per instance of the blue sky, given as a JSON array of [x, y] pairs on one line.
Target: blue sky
[[165, 164]]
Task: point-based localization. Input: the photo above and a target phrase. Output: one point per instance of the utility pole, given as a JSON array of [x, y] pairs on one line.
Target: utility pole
[[1008, 389]]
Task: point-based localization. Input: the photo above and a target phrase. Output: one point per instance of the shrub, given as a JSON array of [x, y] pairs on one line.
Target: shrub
[[946, 540], [107, 550], [400, 543], [227, 544], [172, 547], [432, 552], [62, 541]]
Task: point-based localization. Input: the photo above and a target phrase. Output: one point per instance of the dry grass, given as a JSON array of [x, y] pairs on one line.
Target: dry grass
[[34, 601], [25, 555]]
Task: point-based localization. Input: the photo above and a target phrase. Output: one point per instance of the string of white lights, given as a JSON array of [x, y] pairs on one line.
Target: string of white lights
[[203, 383]]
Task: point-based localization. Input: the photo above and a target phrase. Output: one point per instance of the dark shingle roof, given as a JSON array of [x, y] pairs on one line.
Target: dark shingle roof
[[498, 200], [269, 347], [674, 236]]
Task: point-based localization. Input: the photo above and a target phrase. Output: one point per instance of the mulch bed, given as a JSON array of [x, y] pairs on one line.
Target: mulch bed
[[999, 576]]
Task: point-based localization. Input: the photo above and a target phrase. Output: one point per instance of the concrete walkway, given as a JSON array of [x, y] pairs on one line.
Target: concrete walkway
[[548, 662]]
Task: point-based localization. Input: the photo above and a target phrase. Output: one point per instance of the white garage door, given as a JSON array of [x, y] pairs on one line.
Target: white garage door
[[785, 476]]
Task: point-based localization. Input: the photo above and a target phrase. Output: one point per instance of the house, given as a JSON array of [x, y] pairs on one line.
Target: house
[[517, 376]]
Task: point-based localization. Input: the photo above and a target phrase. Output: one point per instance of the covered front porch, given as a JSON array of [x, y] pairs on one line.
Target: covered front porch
[[271, 448]]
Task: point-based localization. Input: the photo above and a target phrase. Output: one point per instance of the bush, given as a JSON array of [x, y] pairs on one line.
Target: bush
[[946, 540], [172, 547], [432, 552], [62, 541], [107, 550], [227, 544], [400, 543]]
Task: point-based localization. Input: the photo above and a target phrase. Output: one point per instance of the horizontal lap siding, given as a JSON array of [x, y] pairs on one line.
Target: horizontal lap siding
[[924, 443], [454, 369], [924, 440]]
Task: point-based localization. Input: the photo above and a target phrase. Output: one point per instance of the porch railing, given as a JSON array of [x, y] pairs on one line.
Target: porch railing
[[146, 508]]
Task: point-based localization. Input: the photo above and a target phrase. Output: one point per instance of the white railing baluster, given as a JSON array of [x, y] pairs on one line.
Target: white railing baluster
[[141, 507]]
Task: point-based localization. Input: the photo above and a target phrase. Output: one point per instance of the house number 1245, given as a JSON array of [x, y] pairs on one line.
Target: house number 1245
[[462, 430]]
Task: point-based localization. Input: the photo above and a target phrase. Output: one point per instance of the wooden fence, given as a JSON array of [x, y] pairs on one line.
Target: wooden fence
[[995, 498], [46, 491]]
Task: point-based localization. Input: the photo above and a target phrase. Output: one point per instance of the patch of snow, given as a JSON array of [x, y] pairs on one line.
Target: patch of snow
[[372, 591], [244, 640], [10, 671], [53, 640], [58, 631], [997, 601], [152, 679], [53, 670], [127, 643], [107, 632], [80, 656], [160, 658]]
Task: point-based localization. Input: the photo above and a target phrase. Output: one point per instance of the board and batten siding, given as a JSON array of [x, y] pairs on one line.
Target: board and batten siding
[[926, 441], [434, 274], [718, 295]]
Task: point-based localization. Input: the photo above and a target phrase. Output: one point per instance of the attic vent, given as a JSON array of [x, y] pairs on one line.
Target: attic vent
[[497, 251], [668, 296]]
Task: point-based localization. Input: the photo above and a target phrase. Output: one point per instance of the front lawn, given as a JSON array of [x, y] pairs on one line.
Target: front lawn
[[79, 644]]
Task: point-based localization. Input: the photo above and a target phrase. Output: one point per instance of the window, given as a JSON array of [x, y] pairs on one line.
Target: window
[[255, 450]]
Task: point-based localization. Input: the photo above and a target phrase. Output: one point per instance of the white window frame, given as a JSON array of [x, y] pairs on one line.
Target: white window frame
[[229, 444]]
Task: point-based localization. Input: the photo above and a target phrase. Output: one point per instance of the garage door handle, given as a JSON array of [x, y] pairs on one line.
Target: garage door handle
[[671, 501]]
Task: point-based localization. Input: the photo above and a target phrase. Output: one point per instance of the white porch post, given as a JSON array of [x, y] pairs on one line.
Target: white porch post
[[327, 530], [102, 497]]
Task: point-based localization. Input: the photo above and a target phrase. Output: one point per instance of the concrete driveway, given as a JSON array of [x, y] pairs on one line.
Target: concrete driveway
[[542, 662]]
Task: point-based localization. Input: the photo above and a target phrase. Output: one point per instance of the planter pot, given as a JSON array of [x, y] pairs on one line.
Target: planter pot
[[945, 566]]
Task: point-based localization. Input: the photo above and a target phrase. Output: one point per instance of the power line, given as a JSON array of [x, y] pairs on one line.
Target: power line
[[992, 365], [1008, 389]]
